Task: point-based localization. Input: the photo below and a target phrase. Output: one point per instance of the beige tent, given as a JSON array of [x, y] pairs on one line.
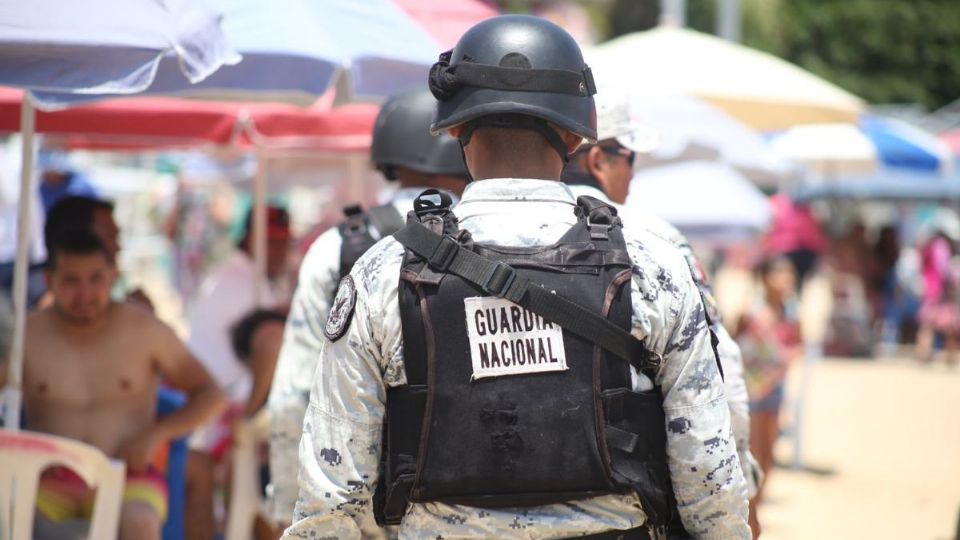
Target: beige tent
[[761, 90]]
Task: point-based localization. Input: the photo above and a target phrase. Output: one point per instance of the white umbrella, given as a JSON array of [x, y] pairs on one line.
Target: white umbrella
[[757, 88], [828, 150], [686, 125], [92, 47], [704, 199]]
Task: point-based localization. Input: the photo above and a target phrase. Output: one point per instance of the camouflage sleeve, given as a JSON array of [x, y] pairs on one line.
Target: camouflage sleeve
[[704, 468], [290, 391], [739, 404], [340, 445], [731, 362]]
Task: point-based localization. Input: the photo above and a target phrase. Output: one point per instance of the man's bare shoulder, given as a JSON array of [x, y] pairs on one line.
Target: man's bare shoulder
[[133, 316], [40, 321]]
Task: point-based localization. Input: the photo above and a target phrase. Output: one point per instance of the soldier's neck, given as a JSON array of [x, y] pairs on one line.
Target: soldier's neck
[[534, 169]]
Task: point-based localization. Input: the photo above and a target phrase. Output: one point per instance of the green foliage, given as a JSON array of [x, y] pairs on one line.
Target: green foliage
[[886, 51]]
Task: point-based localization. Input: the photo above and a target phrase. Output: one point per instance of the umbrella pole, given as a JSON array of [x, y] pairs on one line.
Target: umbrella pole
[[260, 226], [13, 391]]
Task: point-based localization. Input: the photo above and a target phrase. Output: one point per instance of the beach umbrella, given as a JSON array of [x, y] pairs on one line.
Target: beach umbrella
[[759, 89], [448, 20], [689, 127], [704, 199], [91, 47], [295, 50], [101, 47], [842, 149], [828, 150], [902, 145]]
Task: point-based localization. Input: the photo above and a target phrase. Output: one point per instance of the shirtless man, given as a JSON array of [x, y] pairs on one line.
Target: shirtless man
[[91, 372]]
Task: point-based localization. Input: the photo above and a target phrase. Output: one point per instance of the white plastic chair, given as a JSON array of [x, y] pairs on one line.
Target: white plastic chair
[[24, 455], [246, 501]]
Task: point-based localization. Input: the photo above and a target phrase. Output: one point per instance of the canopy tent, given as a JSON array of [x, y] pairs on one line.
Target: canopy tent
[[90, 47], [155, 122], [690, 128], [884, 185], [759, 89], [295, 50], [726, 205]]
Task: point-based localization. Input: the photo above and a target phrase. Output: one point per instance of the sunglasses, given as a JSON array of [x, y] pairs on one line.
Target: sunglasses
[[628, 154]]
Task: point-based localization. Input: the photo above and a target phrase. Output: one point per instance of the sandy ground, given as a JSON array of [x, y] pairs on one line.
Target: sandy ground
[[881, 447]]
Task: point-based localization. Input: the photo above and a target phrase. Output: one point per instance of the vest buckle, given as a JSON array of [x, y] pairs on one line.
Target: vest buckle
[[498, 278], [444, 254]]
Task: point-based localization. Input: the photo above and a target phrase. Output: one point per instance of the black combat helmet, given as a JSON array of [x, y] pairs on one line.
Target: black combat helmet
[[516, 66], [401, 138]]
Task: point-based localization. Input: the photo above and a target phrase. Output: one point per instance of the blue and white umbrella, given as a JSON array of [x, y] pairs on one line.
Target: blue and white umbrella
[[833, 150], [91, 47], [295, 50], [107, 46], [905, 146]]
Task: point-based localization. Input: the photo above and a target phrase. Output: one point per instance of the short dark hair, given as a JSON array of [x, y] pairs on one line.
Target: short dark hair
[[71, 213], [277, 219], [241, 333], [74, 242]]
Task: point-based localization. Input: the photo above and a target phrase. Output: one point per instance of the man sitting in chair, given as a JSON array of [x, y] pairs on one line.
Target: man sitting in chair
[[91, 372]]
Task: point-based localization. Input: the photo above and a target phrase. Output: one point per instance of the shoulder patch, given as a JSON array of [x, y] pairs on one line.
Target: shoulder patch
[[342, 310]]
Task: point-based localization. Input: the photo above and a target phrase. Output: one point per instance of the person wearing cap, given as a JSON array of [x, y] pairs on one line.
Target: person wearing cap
[[604, 170], [405, 152], [523, 367], [227, 294]]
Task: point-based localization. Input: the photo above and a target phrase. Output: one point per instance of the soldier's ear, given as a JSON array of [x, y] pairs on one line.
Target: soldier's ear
[[572, 140], [455, 131]]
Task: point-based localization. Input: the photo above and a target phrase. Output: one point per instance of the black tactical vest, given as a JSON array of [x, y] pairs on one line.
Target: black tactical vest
[[361, 230], [523, 439]]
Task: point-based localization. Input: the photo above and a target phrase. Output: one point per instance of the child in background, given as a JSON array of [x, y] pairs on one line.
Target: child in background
[[769, 338]]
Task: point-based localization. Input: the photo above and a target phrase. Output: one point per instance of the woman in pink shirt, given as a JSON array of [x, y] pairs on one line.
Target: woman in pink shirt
[[940, 310]]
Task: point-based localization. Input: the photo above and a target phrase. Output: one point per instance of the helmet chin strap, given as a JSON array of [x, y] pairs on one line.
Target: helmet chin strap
[[515, 121], [463, 155]]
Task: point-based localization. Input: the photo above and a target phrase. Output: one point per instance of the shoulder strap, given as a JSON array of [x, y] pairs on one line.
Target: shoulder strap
[[386, 219], [445, 254]]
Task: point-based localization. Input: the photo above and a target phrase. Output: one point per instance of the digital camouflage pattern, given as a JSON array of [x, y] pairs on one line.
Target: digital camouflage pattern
[[302, 340], [731, 360], [340, 447]]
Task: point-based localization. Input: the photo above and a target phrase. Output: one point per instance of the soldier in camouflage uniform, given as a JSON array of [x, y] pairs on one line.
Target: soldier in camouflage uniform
[[403, 150], [604, 171], [516, 135]]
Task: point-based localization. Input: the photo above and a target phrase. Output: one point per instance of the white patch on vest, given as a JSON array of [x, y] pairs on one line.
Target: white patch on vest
[[506, 339]]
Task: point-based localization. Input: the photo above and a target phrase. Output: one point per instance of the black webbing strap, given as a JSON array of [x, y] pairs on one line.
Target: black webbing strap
[[445, 254], [386, 219], [525, 79]]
